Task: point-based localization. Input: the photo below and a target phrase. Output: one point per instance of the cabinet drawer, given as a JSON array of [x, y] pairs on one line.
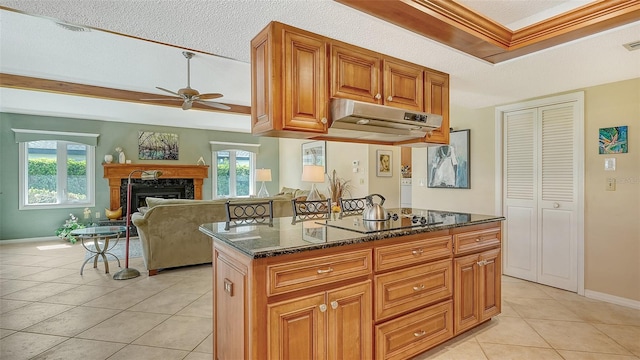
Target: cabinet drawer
[[476, 240], [414, 333], [404, 290], [302, 274], [412, 252]]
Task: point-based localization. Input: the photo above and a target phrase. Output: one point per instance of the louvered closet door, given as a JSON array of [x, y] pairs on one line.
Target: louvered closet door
[[540, 195], [520, 202], [557, 194]]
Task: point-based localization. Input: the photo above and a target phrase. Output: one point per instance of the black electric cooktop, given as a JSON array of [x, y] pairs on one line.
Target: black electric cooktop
[[395, 222]]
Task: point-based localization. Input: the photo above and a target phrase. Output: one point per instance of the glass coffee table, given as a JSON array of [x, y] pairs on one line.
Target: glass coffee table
[[101, 247]]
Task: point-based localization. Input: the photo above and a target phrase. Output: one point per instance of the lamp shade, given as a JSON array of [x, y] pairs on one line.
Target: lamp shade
[[263, 174], [313, 173]]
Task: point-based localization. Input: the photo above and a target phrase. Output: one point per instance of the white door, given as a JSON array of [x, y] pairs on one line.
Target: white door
[[557, 184], [541, 200], [520, 201]]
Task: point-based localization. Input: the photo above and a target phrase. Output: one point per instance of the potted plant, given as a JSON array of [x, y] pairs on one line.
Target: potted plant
[[64, 231], [337, 186]]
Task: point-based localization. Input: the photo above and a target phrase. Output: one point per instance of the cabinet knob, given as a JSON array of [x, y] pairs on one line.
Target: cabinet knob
[[378, 96], [390, 98], [556, 205], [323, 307], [324, 271], [418, 288], [334, 304], [478, 240], [419, 333], [323, 120]]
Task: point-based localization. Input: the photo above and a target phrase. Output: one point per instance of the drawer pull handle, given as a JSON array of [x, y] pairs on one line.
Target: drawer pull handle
[[334, 304], [418, 288], [478, 239], [417, 252], [419, 333], [320, 271], [482, 263], [323, 307]]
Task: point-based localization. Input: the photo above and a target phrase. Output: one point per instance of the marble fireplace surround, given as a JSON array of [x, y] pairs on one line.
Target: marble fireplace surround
[[117, 173]]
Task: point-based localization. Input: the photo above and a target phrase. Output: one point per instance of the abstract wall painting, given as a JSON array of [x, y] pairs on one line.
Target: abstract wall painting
[[613, 140], [157, 146], [448, 165]]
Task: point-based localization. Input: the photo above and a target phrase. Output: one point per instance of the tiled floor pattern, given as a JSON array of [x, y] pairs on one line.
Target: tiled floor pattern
[[49, 311]]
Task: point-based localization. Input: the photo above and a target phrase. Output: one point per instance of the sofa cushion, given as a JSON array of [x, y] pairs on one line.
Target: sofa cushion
[[151, 201]]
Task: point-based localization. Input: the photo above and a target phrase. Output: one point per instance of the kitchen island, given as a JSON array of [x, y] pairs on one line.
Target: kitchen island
[[311, 290]]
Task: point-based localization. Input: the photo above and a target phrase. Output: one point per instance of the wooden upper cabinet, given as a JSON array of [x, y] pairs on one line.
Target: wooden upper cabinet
[[436, 100], [355, 74], [403, 85], [288, 82]]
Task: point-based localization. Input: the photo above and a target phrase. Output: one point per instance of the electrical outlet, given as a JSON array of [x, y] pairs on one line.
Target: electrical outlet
[[361, 181], [97, 214], [611, 184]]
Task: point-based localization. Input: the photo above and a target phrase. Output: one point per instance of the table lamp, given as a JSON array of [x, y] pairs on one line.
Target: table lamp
[[313, 174], [263, 175], [129, 273]]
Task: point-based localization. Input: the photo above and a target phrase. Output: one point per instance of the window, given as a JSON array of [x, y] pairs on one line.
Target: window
[[56, 174], [234, 173]]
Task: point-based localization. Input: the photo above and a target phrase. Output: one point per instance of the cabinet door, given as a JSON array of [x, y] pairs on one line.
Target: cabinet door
[[355, 74], [403, 85], [229, 287], [436, 95], [466, 293], [350, 322], [305, 83], [490, 283], [297, 328], [261, 81]]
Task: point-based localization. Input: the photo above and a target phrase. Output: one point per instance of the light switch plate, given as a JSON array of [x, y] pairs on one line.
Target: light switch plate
[[611, 184], [610, 164]]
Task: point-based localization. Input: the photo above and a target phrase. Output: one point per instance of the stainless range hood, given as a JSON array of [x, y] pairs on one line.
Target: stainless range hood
[[365, 121]]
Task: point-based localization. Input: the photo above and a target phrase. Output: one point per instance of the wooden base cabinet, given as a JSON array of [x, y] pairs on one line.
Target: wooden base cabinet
[[477, 293], [388, 299], [334, 324]]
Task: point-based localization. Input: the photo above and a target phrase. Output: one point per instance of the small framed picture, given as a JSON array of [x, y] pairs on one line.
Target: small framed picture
[[384, 165], [315, 153]]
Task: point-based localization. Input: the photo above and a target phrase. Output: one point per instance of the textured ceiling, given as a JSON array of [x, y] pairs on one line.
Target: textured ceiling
[[36, 48]]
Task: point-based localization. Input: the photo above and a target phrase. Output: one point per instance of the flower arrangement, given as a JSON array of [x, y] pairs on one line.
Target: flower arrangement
[[406, 171], [337, 186], [64, 231]]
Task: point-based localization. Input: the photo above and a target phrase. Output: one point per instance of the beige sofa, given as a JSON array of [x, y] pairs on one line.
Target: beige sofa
[[168, 229]]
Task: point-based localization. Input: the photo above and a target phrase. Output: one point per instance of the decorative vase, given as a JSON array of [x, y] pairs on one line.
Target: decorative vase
[[113, 214], [108, 158], [121, 158]]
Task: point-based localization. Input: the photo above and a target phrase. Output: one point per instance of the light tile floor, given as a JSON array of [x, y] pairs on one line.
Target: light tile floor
[[49, 311]]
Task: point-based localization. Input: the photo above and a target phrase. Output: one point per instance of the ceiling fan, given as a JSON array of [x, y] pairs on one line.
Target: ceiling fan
[[188, 95]]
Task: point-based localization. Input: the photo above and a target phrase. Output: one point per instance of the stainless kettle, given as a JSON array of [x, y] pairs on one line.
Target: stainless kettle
[[374, 212]]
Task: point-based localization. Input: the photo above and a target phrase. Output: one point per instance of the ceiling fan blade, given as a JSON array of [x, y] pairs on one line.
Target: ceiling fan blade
[[210, 96], [214, 104], [169, 91], [187, 105]]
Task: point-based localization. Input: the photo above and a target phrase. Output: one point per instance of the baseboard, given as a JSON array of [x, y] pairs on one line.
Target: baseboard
[[28, 240], [634, 304]]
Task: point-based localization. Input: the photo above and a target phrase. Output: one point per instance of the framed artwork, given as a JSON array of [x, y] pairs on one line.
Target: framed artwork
[[315, 153], [157, 146], [384, 165], [613, 140], [448, 165]]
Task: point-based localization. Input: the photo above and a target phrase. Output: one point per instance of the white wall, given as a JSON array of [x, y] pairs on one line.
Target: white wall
[[480, 198], [340, 157]]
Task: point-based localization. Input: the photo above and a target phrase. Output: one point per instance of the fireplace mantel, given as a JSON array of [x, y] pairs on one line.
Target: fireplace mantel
[[116, 172]]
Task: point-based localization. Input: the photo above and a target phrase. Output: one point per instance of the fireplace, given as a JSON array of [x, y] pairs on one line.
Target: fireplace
[[170, 184], [160, 188]]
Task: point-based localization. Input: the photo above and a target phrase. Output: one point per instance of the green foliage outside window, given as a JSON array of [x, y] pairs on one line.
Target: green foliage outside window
[[242, 179], [43, 180]]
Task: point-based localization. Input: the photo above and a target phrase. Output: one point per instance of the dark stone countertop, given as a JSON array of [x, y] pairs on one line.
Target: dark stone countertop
[[259, 241]]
